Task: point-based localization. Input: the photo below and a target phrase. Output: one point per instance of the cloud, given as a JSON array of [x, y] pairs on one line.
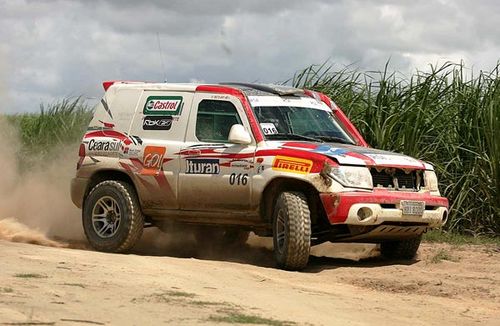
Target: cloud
[[53, 49]]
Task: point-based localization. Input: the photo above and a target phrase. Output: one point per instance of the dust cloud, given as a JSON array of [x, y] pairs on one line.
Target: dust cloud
[[36, 204], [12, 230]]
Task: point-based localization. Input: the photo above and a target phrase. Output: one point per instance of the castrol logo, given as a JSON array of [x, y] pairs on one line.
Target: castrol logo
[[163, 105]]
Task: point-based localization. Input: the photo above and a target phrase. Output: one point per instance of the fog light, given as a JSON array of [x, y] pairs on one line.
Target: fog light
[[444, 219], [364, 213]]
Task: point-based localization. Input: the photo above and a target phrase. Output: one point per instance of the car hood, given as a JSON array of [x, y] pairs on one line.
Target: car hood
[[357, 155]]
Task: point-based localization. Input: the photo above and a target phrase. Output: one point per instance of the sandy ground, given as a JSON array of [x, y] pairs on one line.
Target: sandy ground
[[173, 283]]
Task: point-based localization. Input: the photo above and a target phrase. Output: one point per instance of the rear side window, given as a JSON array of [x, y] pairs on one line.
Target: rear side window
[[214, 120]]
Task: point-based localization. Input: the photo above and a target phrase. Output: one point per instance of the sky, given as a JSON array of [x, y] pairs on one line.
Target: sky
[[50, 50]]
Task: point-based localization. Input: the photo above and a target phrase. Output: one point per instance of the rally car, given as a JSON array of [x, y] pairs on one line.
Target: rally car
[[232, 158]]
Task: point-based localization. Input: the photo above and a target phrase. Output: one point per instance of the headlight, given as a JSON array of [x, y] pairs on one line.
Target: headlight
[[431, 181], [352, 176]]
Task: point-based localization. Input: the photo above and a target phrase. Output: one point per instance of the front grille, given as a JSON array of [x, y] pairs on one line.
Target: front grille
[[397, 179], [381, 179], [408, 181]]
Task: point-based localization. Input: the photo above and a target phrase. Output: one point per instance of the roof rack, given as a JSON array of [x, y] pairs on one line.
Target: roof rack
[[273, 89]]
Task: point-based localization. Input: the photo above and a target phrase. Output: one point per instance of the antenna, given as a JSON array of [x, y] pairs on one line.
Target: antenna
[[161, 58]]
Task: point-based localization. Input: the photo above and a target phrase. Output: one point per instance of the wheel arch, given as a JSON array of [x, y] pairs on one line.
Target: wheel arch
[[108, 174], [280, 184]]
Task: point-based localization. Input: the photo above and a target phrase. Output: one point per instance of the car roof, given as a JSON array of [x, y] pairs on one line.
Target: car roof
[[250, 89]]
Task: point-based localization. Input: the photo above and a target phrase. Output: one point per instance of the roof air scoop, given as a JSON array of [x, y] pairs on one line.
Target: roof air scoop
[[273, 89]]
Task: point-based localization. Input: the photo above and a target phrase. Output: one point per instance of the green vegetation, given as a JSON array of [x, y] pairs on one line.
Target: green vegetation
[[170, 296], [180, 294], [443, 254], [239, 318], [202, 303], [30, 275], [6, 290], [449, 117], [227, 312], [75, 284], [42, 134], [454, 238]]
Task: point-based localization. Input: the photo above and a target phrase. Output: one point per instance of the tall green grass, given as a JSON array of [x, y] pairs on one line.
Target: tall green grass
[[449, 116], [44, 133]]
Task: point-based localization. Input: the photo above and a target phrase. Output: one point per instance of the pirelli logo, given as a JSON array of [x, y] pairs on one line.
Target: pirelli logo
[[292, 164]]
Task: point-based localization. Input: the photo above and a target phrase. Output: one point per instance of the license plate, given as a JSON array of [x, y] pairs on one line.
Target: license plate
[[412, 207]]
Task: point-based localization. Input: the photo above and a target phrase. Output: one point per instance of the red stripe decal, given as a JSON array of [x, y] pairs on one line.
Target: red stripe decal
[[300, 145]]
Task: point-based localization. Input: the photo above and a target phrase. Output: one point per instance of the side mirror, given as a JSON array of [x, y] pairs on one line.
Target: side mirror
[[238, 135]]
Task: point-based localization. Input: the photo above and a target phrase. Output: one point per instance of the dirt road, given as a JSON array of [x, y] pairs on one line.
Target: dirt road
[[55, 286]]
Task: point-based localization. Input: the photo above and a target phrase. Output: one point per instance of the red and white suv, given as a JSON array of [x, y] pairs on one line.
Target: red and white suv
[[234, 158]]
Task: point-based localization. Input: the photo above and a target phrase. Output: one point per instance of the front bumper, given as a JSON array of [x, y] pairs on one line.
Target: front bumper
[[383, 206]]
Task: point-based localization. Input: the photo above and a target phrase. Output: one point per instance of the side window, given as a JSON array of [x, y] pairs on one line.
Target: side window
[[214, 120]]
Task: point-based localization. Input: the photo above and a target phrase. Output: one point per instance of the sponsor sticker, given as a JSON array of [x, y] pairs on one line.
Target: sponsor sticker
[[292, 164], [104, 145], [268, 128], [220, 97], [152, 160], [163, 105], [202, 166], [243, 165], [157, 122], [328, 150], [128, 152]]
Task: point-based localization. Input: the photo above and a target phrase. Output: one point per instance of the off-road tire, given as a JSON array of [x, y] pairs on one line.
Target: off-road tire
[[293, 253], [129, 230], [214, 236], [402, 249]]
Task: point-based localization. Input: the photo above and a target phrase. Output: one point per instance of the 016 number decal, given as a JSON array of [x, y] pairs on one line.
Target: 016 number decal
[[238, 179]]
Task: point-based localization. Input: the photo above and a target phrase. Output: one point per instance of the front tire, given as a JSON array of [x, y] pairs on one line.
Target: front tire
[[112, 217], [292, 231], [402, 249]]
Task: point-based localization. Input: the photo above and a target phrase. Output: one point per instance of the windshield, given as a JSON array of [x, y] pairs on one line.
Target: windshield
[[289, 122]]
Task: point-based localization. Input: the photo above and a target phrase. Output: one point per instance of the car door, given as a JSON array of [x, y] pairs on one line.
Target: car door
[[158, 129], [215, 175]]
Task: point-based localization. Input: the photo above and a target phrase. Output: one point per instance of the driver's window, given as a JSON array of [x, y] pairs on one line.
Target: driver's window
[[274, 115], [214, 120], [304, 121]]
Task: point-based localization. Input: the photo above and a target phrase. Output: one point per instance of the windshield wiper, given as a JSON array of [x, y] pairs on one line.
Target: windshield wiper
[[292, 136], [335, 139]]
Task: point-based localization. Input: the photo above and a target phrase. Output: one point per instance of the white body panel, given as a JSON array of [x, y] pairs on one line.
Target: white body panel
[[209, 177], [149, 131]]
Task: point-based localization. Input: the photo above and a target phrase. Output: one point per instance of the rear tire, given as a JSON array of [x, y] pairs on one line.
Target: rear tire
[[292, 231], [112, 217], [402, 249]]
